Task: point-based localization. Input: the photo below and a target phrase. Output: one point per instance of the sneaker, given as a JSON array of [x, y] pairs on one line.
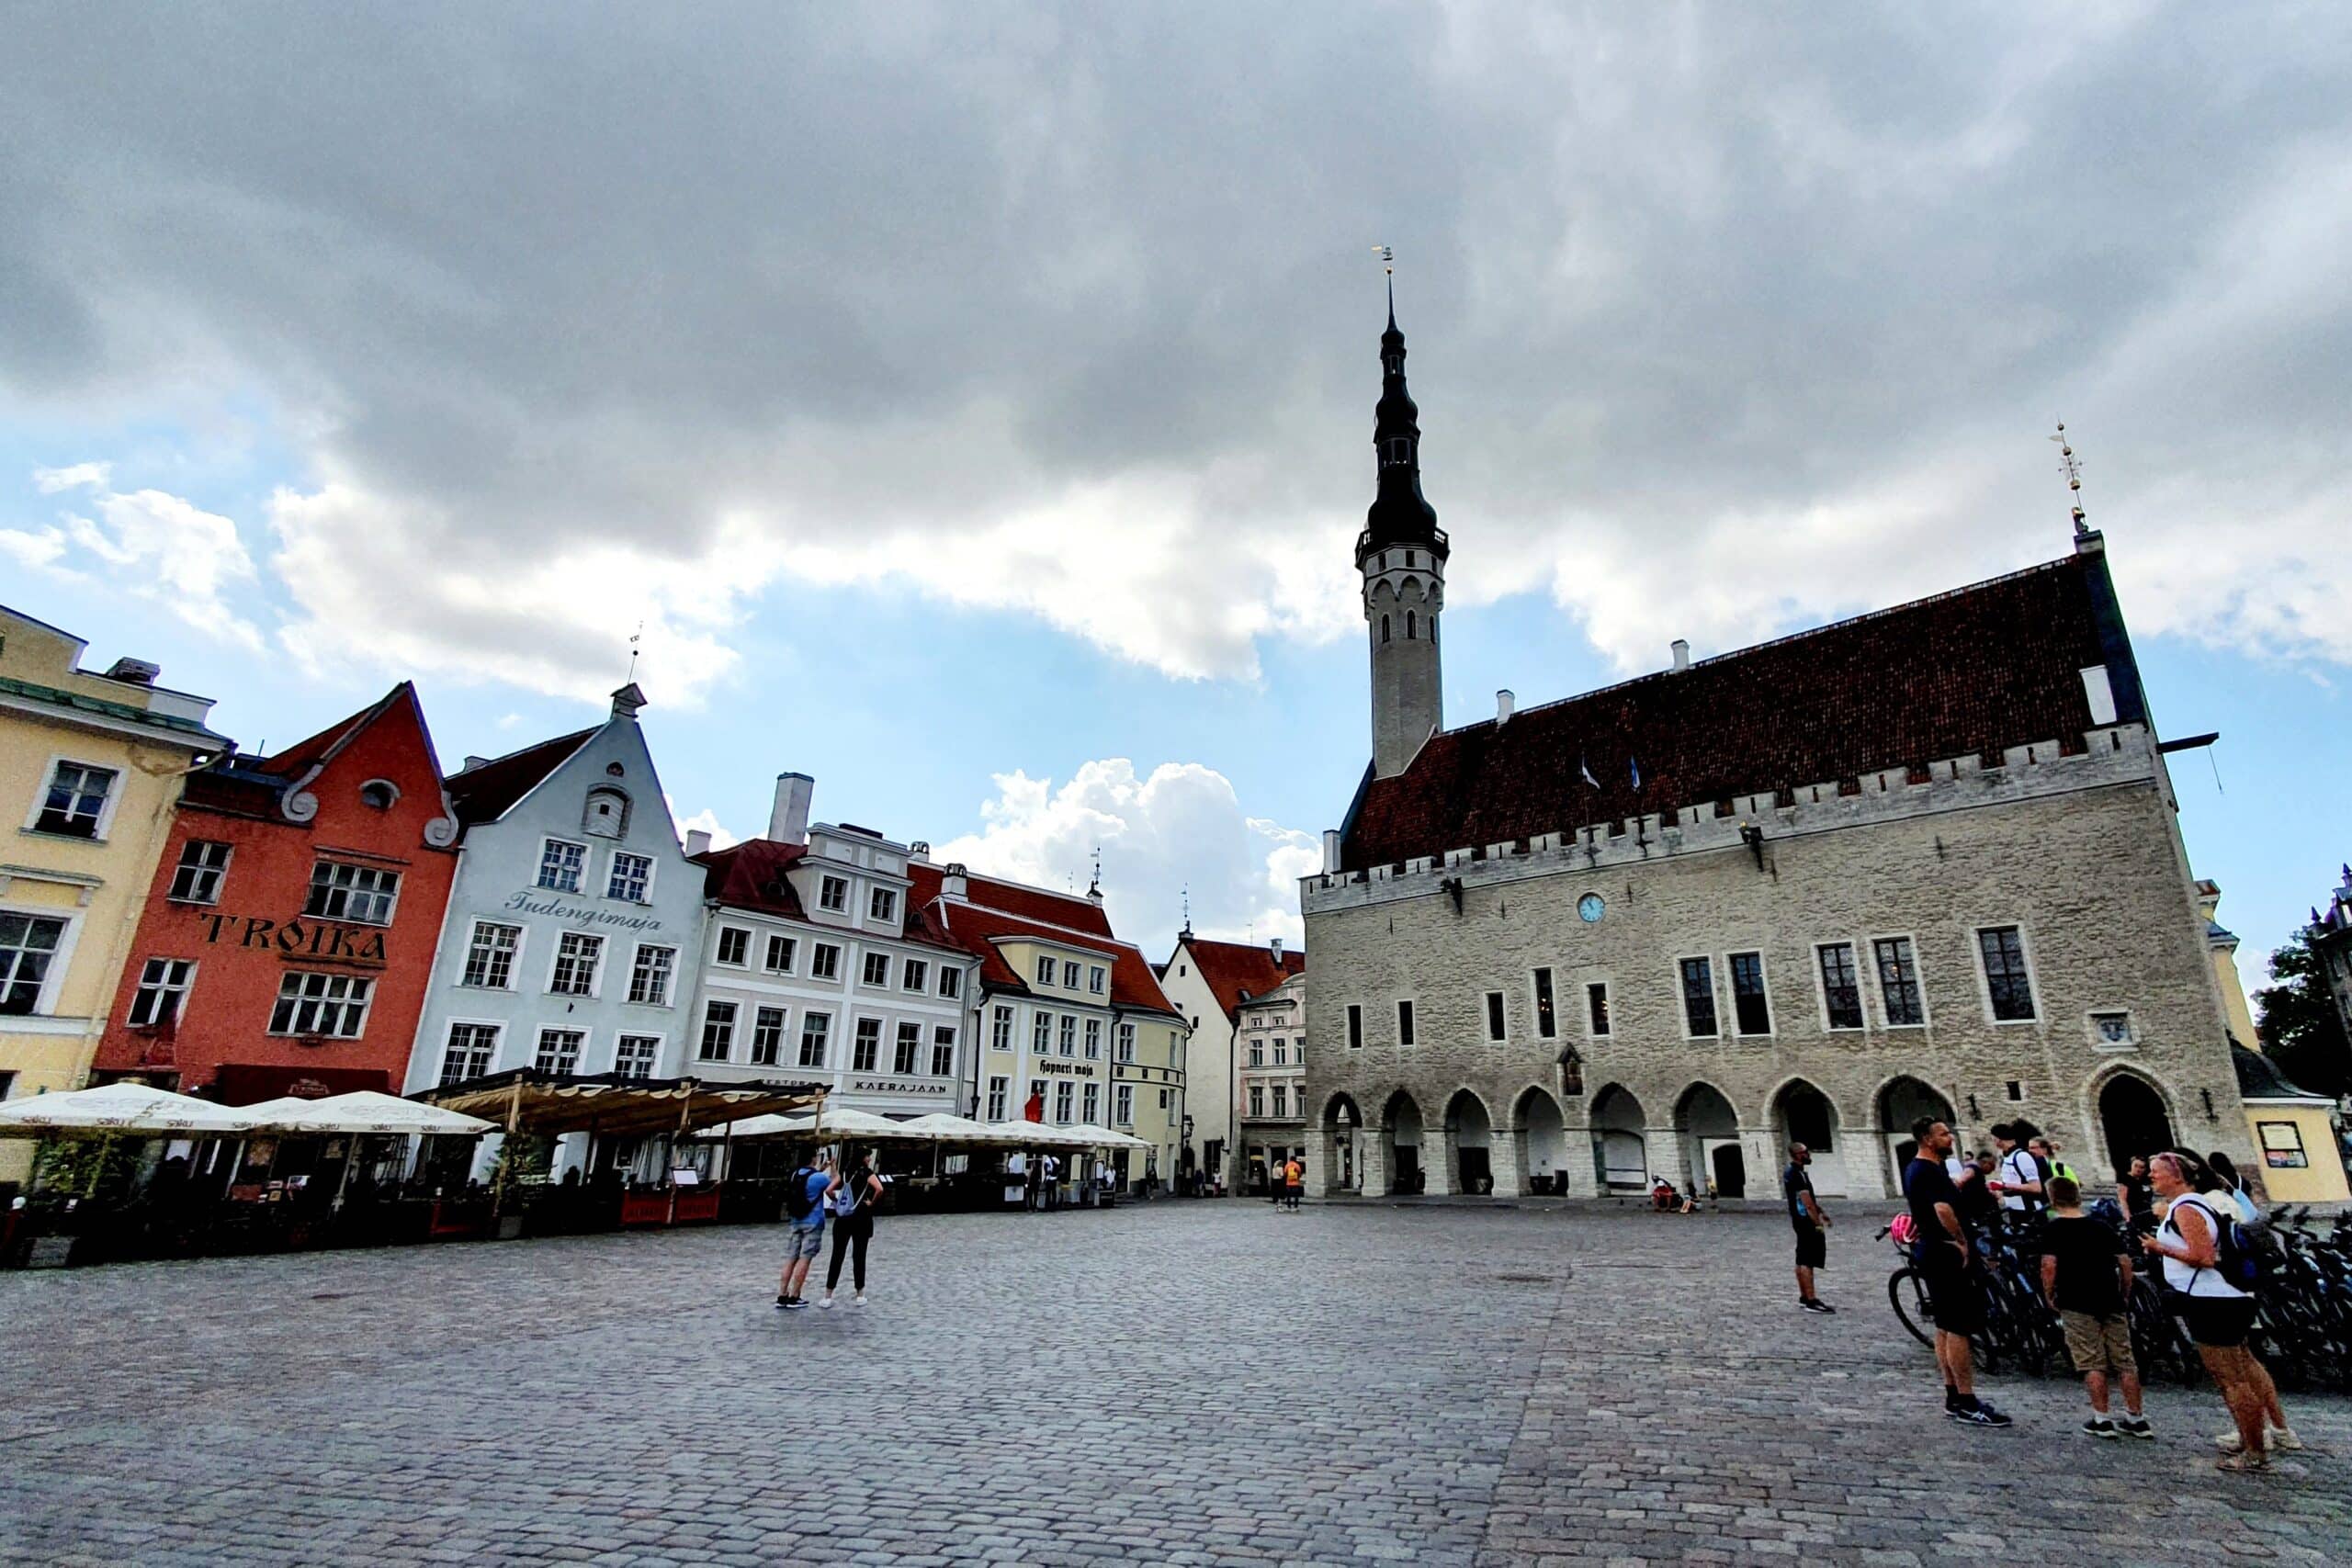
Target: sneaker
[[2282, 1438], [825, 1302], [1978, 1415], [2101, 1427], [783, 1302], [1818, 1306], [2135, 1426], [858, 1300], [795, 1305]]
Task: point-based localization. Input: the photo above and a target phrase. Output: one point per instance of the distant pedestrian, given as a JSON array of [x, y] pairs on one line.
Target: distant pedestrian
[[1294, 1180], [854, 1198], [2044, 1150], [1946, 1256], [2227, 1183], [2133, 1196], [2087, 1279], [804, 1205], [2218, 1310], [2019, 1181], [1812, 1226]]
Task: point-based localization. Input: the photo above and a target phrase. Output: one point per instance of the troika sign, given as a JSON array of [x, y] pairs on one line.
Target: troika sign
[[317, 939]]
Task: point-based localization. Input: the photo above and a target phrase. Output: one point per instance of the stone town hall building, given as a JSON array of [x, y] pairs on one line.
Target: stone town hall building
[[1922, 861]]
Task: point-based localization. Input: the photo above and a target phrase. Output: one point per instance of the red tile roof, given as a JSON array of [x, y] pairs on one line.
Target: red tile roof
[[750, 876], [251, 785], [1073, 910], [1977, 670], [1233, 970], [488, 793], [994, 909]]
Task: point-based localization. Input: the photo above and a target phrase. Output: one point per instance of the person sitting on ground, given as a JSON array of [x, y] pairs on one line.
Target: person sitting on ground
[[2087, 1279], [1662, 1197]]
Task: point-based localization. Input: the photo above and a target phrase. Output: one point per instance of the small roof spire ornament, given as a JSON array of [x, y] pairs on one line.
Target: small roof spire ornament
[[2074, 470], [1094, 888], [1186, 894]]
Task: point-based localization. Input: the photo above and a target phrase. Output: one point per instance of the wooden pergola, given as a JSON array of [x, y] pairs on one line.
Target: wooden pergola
[[524, 1100]]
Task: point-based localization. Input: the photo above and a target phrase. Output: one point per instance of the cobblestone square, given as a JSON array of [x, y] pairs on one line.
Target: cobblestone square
[[1164, 1383]]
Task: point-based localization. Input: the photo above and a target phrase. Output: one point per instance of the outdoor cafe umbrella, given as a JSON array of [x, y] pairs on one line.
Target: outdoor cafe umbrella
[[126, 1110], [1093, 1137], [371, 1111]]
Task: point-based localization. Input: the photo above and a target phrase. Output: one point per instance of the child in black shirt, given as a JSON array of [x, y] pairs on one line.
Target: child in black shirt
[[2086, 1279]]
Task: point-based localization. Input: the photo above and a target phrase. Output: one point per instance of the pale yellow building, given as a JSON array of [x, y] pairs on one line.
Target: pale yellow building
[[90, 766], [2293, 1130]]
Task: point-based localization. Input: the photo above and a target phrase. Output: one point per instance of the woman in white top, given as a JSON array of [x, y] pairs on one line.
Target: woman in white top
[[2218, 1313]]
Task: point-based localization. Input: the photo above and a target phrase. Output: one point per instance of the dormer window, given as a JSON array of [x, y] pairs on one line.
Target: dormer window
[[832, 894], [606, 815], [884, 905], [378, 795]]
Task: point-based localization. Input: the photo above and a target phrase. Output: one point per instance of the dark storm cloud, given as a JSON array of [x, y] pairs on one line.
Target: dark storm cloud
[[1719, 316]]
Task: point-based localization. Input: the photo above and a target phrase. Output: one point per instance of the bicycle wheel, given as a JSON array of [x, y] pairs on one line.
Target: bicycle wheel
[[1907, 1293]]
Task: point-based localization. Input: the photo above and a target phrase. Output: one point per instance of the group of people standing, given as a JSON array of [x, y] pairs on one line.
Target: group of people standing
[[1286, 1182], [818, 1193]]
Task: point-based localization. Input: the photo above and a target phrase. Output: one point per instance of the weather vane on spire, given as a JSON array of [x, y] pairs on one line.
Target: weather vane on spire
[[1388, 264], [1094, 888], [2073, 468], [1187, 894], [634, 637]]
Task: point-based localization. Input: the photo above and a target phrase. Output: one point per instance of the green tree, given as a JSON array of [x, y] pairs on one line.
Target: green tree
[[2298, 1024]]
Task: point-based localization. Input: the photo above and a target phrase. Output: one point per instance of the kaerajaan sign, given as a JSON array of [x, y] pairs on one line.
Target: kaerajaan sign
[[892, 1085], [524, 904], [319, 939]]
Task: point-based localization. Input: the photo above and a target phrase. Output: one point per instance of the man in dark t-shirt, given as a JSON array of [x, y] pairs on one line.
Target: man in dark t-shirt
[[1946, 1258], [2086, 1278], [1805, 1216]]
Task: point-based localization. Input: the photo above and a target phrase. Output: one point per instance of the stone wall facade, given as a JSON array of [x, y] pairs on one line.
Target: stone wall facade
[[2074, 846]]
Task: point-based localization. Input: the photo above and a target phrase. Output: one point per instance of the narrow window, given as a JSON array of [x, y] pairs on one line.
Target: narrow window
[[951, 981], [1494, 1015], [1061, 1102], [28, 943], [1404, 1023], [767, 1036], [814, 1028], [1093, 1039], [825, 962], [876, 970], [577, 956], [1699, 997], [1898, 981], [1127, 1046], [865, 1049], [634, 1056], [780, 953], [1750, 1008], [998, 1089], [1041, 1037], [942, 1050], [1596, 1003], [1069, 974], [1384, 628], [734, 946], [2006, 980], [196, 878], [915, 975], [884, 905], [649, 976], [163, 991], [1097, 977], [1547, 1024], [1123, 1101], [717, 1031], [1257, 1100], [1045, 971], [471, 1048], [832, 895], [1092, 1104], [1841, 985], [1069, 1036], [904, 1050], [1355, 1028], [1257, 1053], [1000, 1030], [1408, 625]]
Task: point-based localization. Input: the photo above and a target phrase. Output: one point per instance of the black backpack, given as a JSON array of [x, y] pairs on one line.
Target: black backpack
[[796, 1201]]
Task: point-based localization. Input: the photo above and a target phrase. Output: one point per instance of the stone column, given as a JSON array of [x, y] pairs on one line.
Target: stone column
[[1577, 1161], [1503, 1160], [1437, 1158], [1322, 1161], [1664, 1148], [1372, 1171]]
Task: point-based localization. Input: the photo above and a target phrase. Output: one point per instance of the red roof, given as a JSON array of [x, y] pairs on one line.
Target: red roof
[[251, 785], [1073, 910], [488, 793], [1233, 970], [978, 929], [1976, 671], [750, 876]]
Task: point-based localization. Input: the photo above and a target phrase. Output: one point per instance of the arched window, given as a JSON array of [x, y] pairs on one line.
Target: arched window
[[378, 794], [606, 815], [1384, 628], [1408, 625]]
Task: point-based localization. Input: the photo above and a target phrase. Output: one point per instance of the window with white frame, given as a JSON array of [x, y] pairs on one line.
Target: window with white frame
[[490, 956], [1898, 982], [905, 1049], [1257, 1053], [883, 905], [734, 946], [914, 975], [1494, 1029], [196, 878], [1061, 1101], [340, 891], [163, 990], [605, 815], [560, 1051], [1750, 1008], [311, 1003], [815, 1030], [1000, 1028], [1281, 1052], [832, 894], [865, 1049], [634, 1056], [824, 961], [942, 1050], [577, 956], [648, 976], [2009, 985], [1281, 1100], [1041, 1036], [951, 981], [561, 863], [1841, 985], [1698, 998], [1093, 1039], [1069, 974], [781, 950], [1127, 1046], [876, 970], [767, 1036], [1123, 1105], [1045, 971], [717, 1031], [1257, 1099], [631, 874], [999, 1090], [1097, 978], [1091, 1108], [1069, 1036], [471, 1048], [75, 802]]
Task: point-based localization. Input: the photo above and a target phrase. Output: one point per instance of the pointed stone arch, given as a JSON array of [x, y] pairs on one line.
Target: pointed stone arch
[[1708, 1127], [1469, 1145], [1803, 1112], [1539, 1136], [1402, 1137], [2134, 1114], [1901, 1100], [1620, 1140]]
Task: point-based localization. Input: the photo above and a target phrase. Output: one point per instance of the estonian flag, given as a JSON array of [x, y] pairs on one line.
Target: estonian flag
[[1586, 770], [1636, 765]]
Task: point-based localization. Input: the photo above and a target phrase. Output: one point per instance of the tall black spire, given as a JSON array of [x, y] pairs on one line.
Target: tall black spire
[[1400, 514]]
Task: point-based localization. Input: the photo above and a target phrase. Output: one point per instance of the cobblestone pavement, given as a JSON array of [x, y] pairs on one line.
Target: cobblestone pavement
[[1165, 1383]]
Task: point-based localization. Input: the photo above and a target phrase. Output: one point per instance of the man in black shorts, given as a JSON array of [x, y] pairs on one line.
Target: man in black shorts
[[1805, 1214], [1946, 1256]]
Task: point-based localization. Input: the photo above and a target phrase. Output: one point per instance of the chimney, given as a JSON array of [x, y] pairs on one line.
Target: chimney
[[1331, 851], [1275, 948], [135, 671], [472, 762], [627, 701], [1682, 654], [789, 822], [698, 841], [919, 852], [952, 884], [1503, 701]]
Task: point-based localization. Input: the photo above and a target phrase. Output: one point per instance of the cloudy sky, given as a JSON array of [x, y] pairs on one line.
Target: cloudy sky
[[972, 405]]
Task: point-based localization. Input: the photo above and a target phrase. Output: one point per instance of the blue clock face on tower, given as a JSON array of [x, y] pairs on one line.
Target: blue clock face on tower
[[1590, 907]]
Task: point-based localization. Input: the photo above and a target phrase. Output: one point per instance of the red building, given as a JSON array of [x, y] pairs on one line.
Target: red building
[[286, 941]]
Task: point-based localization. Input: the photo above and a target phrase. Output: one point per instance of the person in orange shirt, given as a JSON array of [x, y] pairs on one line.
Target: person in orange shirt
[[1294, 1182]]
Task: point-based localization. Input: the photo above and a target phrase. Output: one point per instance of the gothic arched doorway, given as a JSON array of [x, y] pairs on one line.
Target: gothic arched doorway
[[1470, 1132], [1710, 1140], [1401, 1130], [2132, 1115], [1342, 1124], [1805, 1116], [1620, 1151], [1901, 1103], [1542, 1143]]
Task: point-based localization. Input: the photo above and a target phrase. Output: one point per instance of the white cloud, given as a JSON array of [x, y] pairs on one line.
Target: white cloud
[[162, 547], [706, 822], [1181, 828]]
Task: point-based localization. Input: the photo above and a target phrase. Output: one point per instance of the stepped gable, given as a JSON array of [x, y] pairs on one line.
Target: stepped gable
[[1977, 670], [488, 793], [1237, 969]]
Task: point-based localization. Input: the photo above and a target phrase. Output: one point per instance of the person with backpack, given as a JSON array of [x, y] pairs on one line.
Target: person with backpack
[[2227, 1184], [853, 1198], [2020, 1176], [2211, 1273], [804, 1205], [2087, 1279]]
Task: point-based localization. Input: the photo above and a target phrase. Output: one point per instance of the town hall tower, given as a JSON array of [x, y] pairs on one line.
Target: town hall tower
[[1401, 554]]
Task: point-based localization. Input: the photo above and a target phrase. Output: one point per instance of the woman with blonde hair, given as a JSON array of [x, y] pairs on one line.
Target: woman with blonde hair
[[2218, 1311]]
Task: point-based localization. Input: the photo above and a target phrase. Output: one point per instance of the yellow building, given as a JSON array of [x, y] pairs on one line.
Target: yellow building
[[2294, 1130], [90, 766]]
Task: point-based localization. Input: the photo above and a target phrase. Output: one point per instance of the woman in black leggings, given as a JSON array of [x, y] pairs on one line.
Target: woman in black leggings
[[853, 1202]]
